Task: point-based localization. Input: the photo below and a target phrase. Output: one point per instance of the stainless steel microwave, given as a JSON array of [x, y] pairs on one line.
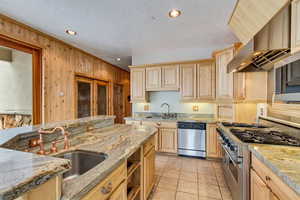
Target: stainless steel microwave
[[287, 79]]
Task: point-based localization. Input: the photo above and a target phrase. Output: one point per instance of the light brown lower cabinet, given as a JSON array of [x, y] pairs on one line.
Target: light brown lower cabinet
[[214, 149], [149, 172], [265, 185], [120, 193], [168, 140], [111, 188], [52, 188]]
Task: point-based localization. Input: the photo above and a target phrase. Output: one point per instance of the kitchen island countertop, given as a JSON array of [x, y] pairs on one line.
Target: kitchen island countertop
[[284, 161]]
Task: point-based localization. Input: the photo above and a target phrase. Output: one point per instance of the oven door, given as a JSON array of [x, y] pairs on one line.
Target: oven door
[[233, 174]]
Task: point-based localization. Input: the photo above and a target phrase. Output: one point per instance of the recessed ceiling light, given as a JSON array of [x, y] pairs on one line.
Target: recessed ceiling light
[[174, 13], [70, 32], [118, 59]]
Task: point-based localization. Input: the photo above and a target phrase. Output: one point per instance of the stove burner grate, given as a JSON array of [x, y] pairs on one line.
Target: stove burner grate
[[265, 137]]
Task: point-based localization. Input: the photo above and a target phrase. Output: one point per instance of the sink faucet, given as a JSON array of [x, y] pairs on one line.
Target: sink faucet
[[53, 149], [165, 104]]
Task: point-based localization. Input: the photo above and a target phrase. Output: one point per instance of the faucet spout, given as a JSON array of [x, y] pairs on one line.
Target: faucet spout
[[54, 149], [166, 104]]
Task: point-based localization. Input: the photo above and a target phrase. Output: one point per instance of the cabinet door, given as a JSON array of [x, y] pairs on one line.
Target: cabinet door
[[259, 189], [84, 97], [214, 149], [170, 77], [137, 79], [168, 140], [101, 103], [206, 81], [273, 196], [149, 172], [295, 27], [153, 78], [239, 83], [224, 80], [120, 193], [188, 81]]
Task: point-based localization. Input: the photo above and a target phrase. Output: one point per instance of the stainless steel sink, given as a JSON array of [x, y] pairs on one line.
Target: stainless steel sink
[[82, 161]]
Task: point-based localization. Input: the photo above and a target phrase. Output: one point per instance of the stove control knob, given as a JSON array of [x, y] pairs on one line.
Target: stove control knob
[[233, 148]]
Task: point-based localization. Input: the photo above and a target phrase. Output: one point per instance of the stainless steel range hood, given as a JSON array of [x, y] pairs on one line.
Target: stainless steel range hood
[[270, 45]]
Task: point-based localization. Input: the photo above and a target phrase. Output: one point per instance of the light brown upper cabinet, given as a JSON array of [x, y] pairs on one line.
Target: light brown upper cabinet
[[188, 78], [249, 17], [138, 83], [170, 77], [153, 78], [295, 27], [206, 81], [229, 86], [162, 78], [198, 81]]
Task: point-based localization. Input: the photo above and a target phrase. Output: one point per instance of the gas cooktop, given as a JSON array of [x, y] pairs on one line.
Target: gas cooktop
[[265, 137]]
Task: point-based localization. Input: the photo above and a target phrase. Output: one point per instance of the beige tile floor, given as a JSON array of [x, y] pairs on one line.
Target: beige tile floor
[[182, 178]]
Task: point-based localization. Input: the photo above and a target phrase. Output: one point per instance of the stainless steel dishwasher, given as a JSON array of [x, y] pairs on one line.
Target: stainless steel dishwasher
[[192, 139]]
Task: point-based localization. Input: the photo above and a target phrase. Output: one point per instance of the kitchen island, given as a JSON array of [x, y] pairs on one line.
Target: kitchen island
[[118, 142]]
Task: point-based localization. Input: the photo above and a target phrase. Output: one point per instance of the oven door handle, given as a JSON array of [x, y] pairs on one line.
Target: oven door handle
[[235, 163]]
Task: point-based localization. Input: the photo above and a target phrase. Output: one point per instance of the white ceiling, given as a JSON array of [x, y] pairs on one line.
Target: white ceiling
[[116, 28]]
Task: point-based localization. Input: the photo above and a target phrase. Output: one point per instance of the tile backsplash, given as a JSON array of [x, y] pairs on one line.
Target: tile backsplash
[[176, 106]]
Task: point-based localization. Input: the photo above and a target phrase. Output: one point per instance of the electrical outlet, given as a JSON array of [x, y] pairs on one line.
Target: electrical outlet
[[146, 107], [195, 108]]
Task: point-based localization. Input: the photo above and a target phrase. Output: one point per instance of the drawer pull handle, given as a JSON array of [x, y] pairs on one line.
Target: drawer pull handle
[[268, 178], [107, 189]]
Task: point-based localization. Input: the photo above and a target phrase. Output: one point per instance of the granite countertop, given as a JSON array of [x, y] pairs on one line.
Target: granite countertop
[[192, 119], [284, 161], [21, 171], [118, 142]]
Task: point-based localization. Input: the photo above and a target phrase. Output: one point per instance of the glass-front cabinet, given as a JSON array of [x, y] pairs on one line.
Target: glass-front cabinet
[[91, 97]]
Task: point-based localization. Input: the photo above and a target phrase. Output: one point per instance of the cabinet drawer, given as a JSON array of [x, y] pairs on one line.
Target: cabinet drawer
[[149, 144], [104, 189], [278, 187]]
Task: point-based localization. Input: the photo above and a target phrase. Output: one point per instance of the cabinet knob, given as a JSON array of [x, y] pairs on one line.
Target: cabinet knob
[[268, 178], [107, 189], [158, 123]]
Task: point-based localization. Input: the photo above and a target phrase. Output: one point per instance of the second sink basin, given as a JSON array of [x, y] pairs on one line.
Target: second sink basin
[[82, 161]]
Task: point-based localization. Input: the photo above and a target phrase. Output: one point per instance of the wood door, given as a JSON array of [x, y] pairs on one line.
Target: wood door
[[120, 193], [259, 189], [168, 140], [83, 97], [137, 80], [214, 149], [206, 81], [170, 77], [224, 88], [149, 172], [295, 26], [119, 111], [153, 78], [188, 81], [101, 95]]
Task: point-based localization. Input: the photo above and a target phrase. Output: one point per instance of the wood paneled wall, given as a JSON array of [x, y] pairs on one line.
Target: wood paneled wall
[[60, 63]]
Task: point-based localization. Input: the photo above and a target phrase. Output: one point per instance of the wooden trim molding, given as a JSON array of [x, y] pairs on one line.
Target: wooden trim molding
[[36, 53], [209, 60]]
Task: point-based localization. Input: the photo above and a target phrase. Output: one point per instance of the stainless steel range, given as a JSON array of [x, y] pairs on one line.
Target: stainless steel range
[[234, 139]]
